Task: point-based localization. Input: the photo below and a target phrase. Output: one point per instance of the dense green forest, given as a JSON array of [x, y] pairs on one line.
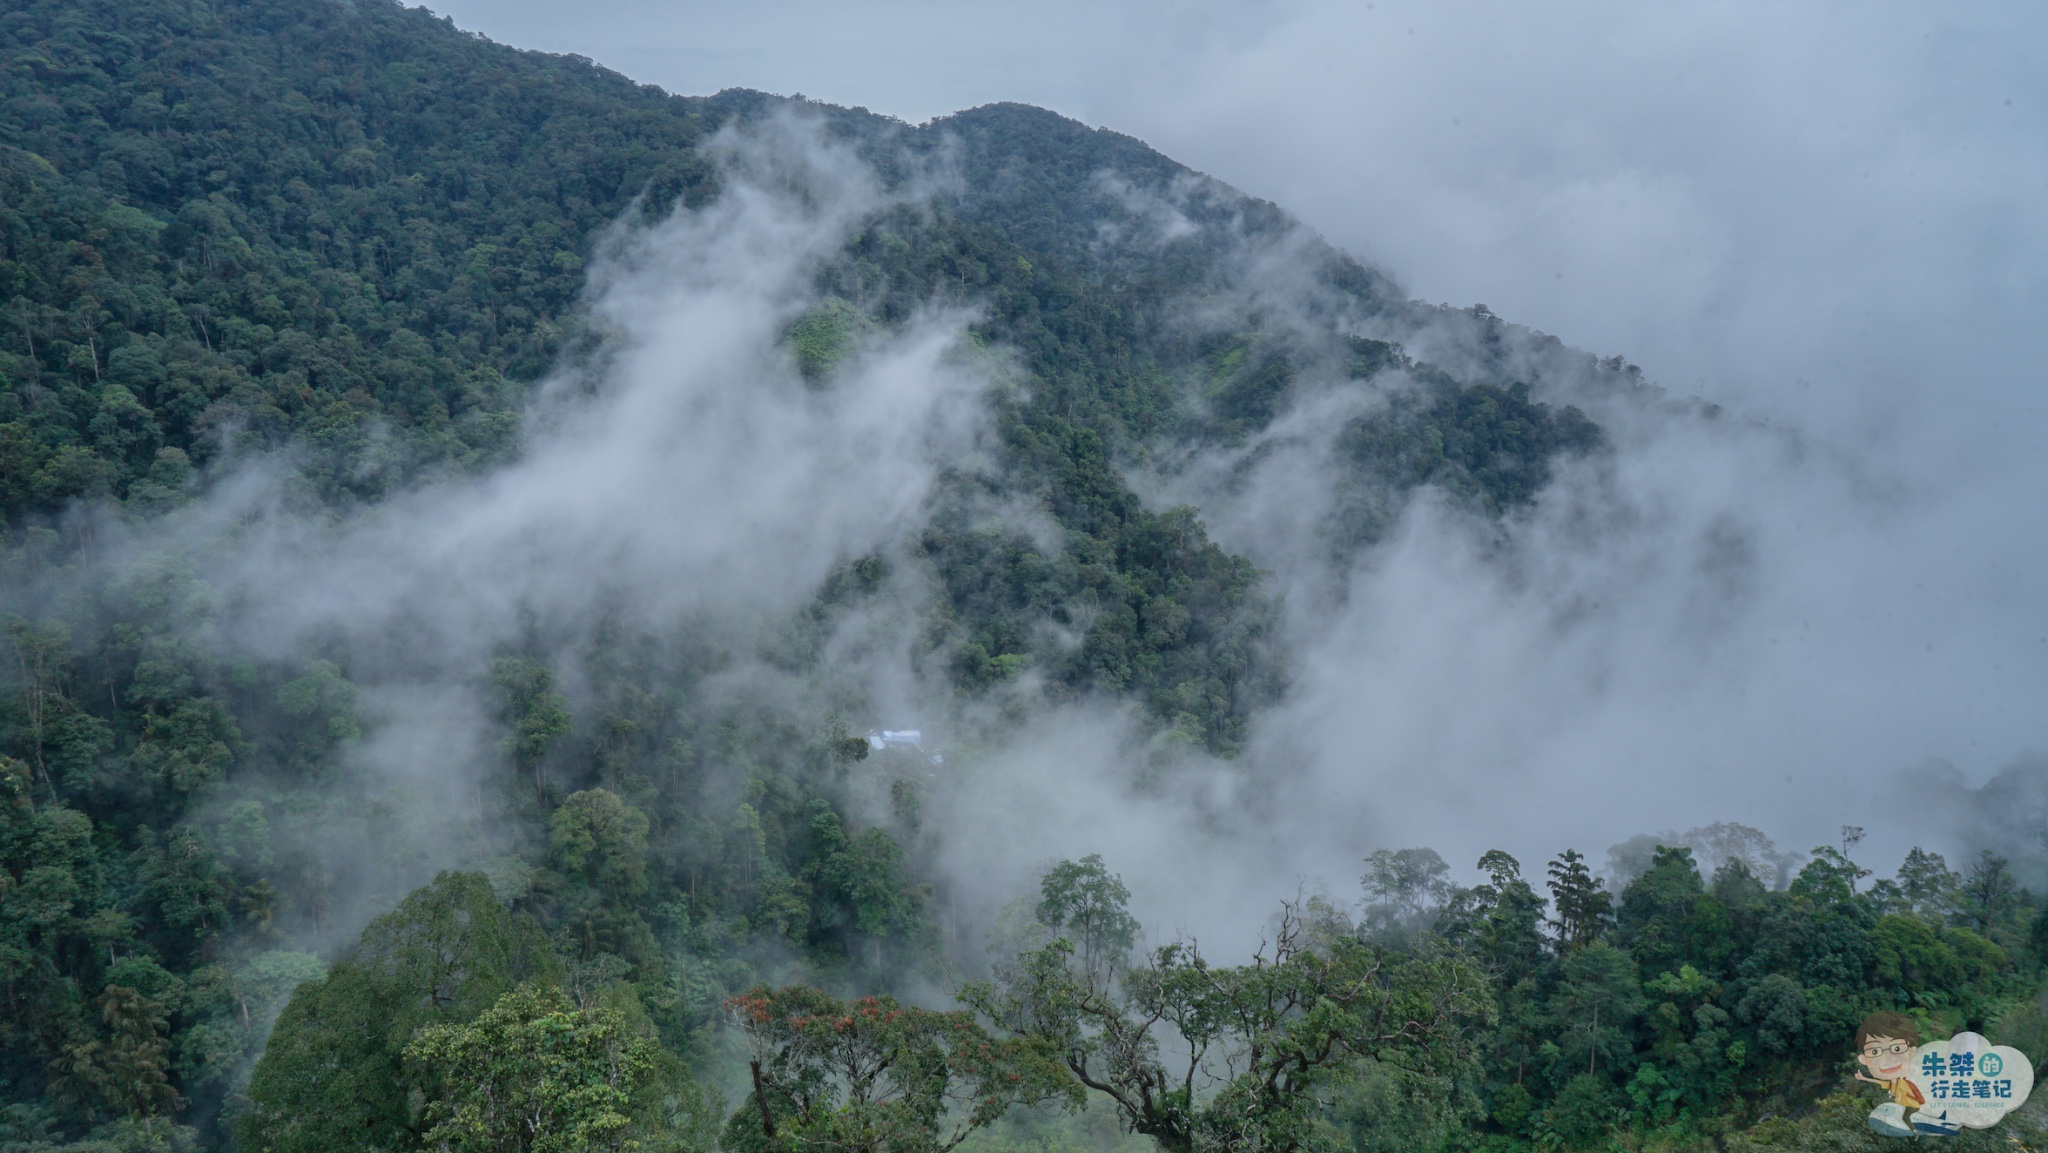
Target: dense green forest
[[338, 247]]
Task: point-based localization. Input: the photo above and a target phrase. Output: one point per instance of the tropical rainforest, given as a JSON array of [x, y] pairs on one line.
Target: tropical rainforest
[[672, 893]]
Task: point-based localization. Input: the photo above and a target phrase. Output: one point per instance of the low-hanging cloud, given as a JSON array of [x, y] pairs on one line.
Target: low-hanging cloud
[[1711, 620], [689, 469], [684, 479], [1823, 216], [1820, 219]]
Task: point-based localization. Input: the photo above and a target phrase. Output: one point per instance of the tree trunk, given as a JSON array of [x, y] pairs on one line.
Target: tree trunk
[[761, 1099]]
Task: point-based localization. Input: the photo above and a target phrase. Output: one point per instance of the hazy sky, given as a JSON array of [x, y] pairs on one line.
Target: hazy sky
[[1832, 217]]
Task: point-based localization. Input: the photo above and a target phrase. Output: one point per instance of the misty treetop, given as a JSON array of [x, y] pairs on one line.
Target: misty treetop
[[1668, 1009]]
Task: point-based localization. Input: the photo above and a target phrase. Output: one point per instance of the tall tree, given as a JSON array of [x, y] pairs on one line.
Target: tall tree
[[876, 1076], [333, 1076], [1924, 886], [1405, 889], [534, 1074], [534, 716], [42, 657], [130, 1065], [1583, 906], [1508, 931], [1988, 890], [1087, 903], [1255, 1050]]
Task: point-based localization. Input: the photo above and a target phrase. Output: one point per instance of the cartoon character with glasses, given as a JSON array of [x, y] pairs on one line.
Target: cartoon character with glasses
[[1885, 1043]]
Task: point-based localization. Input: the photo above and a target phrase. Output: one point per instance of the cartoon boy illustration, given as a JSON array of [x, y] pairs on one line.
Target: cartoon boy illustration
[[1885, 1043]]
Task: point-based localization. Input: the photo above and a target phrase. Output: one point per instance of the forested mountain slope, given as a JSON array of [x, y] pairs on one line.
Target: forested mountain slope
[[276, 268]]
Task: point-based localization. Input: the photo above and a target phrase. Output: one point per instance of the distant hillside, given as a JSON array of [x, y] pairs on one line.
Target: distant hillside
[[357, 232]]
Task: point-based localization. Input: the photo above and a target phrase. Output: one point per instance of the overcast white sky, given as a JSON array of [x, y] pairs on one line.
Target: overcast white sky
[[1830, 215]]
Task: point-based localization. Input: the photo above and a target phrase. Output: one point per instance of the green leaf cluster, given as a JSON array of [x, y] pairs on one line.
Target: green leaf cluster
[[875, 1076]]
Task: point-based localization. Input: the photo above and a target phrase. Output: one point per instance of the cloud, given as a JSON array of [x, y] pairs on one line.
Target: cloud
[[1746, 194], [1824, 216], [684, 486], [1715, 620], [689, 470]]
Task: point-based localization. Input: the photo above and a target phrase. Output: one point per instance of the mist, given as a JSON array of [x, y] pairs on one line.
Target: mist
[[1816, 217], [1820, 219], [680, 484], [1716, 618], [687, 470]]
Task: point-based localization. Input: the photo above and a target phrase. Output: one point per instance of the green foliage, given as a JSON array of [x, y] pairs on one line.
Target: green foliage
[[1988, 892], [1285, 1030], [1593, 1009], [1163, 614], [129, 1067], [1489, 447], [1836, 1123], [860, 883], [189, 749], [376, 274], [1390, 1107], [1583, 1112], [1501, 920], [1405, 889], [600, 841], [1054, 1128], [1700, 1006], [826, 335], [875, 1076], [1582, 905], [333, 1074], [534, 716], [2024, 1027], [1924, 886], [1667, 918], [1087, 903], [283, 222], [533, 1073]]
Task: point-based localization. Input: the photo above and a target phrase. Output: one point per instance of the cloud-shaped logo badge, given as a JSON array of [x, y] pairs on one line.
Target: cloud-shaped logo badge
[[1968, 1081]]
